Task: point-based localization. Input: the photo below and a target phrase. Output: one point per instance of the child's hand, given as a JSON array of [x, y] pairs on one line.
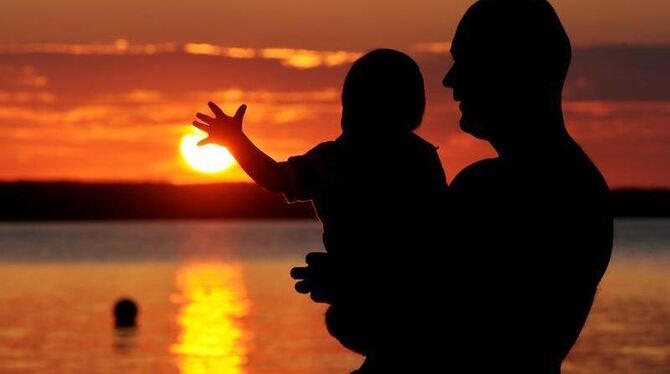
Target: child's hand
[[222, 128]]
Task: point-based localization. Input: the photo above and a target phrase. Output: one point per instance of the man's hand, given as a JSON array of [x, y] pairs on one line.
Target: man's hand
[[221, 129], [317, 278]]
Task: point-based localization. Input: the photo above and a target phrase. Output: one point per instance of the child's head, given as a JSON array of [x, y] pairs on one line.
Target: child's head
[[383, 93]]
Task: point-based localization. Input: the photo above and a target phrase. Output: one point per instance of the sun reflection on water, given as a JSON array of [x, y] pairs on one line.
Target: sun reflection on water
[[212, 300]]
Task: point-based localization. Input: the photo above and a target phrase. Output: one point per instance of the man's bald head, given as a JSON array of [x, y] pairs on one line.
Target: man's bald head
[[506, 53]]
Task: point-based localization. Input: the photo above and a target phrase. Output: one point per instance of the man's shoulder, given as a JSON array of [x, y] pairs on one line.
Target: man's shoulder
[[421, 144], [327, 146], [483, 171]]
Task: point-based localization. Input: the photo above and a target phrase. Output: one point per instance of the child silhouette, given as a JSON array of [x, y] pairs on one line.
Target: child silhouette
[[376, 189]]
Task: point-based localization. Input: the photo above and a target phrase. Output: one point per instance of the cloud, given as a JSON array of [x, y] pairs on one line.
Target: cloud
[[88, 108], [295, 58], [290, 57], [621, 73], [118, 47], [266, 96], [136, 96], [24, 76], [614, 72], [306, 59], [215, 50], [438, 48], [27, 98]]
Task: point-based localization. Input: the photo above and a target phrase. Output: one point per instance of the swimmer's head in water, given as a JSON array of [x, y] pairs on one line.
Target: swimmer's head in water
[[125, 313]]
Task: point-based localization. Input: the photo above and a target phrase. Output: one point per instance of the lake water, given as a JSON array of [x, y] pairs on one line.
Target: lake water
[[215, 297]]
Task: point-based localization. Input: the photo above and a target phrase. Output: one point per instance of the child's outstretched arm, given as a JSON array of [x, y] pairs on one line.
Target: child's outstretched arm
[[227, 131]]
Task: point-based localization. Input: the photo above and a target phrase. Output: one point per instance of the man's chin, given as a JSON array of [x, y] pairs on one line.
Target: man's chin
[[472, 128]]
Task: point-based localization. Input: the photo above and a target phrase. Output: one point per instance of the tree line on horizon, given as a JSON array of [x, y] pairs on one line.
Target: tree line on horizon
[[43, 201]]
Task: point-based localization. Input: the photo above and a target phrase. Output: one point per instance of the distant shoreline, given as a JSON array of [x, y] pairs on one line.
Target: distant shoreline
[[72, 201]]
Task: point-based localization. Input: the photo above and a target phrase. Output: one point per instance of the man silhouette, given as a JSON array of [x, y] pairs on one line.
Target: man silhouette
[[531, 234], [533, 224]]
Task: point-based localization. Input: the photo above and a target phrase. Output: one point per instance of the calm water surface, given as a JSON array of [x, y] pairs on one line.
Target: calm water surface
[[215, 297]]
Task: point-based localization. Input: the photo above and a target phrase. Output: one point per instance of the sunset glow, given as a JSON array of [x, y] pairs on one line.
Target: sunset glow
[[109, 98], [209, 158]]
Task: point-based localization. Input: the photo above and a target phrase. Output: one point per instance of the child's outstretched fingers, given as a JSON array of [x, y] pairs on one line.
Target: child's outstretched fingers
[[204, 128], [201, 126], [222, 128], [239, 115], [216, 110], [220, 114], [205, 118]]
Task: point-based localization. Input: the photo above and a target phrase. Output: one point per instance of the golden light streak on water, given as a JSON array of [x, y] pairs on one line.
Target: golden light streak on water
[[212, 299]]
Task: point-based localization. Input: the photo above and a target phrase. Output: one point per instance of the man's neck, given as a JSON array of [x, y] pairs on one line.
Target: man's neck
[[538, 137]]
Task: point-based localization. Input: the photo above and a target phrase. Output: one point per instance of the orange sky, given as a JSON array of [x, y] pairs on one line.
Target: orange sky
[[323, 24], [105, 90]]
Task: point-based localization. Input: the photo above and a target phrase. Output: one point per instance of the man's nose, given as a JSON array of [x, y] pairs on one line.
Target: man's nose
[[448, 80]]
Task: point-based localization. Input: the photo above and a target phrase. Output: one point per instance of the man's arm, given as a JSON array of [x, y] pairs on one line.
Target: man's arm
[[227, 131]]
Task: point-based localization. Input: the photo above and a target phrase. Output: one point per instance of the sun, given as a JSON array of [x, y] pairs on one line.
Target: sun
[[208, 159]]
